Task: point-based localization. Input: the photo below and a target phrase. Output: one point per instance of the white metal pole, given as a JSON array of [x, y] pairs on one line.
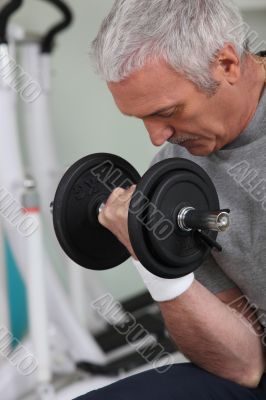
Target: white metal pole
[[36, 287], [43, 161], [11, 175], [77, 293]]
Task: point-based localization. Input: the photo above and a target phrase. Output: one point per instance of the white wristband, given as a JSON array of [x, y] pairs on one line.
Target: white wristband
[[163, 289]]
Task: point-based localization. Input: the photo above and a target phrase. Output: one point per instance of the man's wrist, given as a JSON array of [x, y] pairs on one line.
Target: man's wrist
[[164, 289]]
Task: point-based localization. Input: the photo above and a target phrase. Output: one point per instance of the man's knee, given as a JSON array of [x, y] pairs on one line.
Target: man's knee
[[152, 385], [181, 381], [110, 392], [94, 395]]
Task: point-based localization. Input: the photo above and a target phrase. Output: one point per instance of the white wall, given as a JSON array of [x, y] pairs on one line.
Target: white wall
[[86, 119]]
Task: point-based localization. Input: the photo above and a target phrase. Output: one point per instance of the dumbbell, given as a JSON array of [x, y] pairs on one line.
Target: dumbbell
[[174, 214]]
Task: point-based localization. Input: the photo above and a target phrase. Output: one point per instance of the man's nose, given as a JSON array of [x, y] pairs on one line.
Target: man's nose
[[159, 133]]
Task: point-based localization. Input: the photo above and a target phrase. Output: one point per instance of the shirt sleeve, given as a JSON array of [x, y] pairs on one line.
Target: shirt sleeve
[[211, 276]]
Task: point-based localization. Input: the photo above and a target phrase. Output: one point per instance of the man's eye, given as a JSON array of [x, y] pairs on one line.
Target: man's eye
[[168, 114]]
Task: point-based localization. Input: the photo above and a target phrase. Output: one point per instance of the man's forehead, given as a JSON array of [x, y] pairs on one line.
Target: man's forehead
[[133, 102], [154, 85], [153, 74]]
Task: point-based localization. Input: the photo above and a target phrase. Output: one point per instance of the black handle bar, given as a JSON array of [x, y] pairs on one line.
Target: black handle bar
[[47, 42], [6, 12]]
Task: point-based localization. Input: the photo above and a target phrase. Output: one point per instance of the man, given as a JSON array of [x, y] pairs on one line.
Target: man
[[184, 67]]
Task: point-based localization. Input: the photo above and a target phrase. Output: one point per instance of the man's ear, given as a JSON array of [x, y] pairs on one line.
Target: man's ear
[[227, 65]]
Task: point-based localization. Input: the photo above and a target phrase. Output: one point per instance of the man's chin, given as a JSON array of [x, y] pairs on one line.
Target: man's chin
[[200, 151]]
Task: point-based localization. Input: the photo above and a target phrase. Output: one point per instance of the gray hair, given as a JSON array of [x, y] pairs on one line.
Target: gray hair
[[187, 34]]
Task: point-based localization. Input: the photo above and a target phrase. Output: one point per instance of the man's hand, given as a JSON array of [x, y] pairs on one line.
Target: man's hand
[[114, 216]]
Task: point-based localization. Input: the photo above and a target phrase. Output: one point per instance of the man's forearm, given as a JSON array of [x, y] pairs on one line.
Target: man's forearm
[[212, 336]]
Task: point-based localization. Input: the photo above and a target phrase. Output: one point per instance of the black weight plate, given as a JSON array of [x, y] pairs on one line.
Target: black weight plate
[[169, 186], [78, 196]]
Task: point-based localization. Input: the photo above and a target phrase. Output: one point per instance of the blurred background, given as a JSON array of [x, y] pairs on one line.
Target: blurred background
[[86, 119]]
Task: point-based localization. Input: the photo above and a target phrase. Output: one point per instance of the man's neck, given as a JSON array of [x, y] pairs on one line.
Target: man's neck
[[255, 79]]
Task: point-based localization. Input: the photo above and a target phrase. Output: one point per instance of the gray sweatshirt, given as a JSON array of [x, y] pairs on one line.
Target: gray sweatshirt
[[239, 174]]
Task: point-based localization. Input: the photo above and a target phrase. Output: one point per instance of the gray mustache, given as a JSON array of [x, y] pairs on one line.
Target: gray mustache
[[182, 139]]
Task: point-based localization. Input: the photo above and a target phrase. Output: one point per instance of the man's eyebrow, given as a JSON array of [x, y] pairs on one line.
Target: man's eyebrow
[[176, 105]]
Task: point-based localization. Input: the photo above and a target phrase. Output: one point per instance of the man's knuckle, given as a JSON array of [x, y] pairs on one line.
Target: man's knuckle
[[108, 213]]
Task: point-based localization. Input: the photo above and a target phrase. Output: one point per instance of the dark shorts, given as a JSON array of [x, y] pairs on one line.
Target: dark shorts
[[180, 382]]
